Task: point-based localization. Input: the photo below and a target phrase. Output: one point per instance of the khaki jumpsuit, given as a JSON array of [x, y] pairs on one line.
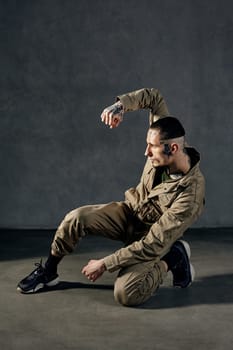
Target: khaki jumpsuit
[[148, 222]]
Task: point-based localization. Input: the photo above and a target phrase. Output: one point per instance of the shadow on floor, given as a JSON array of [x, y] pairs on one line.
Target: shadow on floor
[[211, 290], [208, 290]]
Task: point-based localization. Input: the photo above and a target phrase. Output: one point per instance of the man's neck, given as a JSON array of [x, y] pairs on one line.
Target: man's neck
[[181, 166]]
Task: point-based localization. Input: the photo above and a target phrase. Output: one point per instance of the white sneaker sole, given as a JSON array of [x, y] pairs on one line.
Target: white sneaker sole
[[186, 247], [192, 270], [40, 286]]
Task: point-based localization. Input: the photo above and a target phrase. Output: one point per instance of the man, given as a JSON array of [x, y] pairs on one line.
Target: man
[[151, 220]]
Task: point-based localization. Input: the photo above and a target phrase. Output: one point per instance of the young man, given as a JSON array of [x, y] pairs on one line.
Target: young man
[[151, 220]]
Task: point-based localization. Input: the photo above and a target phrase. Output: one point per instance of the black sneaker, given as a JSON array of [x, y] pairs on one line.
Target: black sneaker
[[38, 279], [179, 263]]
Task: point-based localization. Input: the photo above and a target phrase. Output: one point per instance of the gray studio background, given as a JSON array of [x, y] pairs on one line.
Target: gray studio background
[[62, 62]]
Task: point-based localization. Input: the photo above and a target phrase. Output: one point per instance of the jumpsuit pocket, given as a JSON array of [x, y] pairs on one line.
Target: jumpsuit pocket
[[149, 212]]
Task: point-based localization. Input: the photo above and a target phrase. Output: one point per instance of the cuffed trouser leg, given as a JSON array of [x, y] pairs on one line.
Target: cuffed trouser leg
[[137, 283], [110, 220]]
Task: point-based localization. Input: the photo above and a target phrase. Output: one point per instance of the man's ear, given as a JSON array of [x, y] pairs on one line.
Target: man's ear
[[174, 148]]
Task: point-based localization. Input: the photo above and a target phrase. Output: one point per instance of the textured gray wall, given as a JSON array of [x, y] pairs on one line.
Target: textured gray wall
[[62, 62]]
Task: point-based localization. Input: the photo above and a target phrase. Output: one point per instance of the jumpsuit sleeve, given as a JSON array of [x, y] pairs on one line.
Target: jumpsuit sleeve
[[163, 233], [146, 98]]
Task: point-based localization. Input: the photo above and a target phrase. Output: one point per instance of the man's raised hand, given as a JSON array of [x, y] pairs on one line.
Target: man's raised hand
[[113, 115]]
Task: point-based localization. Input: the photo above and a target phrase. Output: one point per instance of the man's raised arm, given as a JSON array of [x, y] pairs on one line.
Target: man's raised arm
[[146, 98]]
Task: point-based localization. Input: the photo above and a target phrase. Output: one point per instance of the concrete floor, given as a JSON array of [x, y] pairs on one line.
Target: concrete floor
[[84, 316]]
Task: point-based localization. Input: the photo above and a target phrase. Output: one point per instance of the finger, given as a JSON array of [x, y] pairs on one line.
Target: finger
[[104, 117], [91, 277], [109, 119], [94, 277], [116, 121], [84, 270]]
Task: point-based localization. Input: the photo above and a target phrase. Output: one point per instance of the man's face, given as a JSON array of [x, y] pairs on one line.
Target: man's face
[[155, 150]]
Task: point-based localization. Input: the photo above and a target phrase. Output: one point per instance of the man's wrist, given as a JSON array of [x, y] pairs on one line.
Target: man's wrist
[[117, 108], [103, 267]]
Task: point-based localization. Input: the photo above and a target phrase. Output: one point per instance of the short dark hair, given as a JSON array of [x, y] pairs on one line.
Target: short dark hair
[[169, 127]]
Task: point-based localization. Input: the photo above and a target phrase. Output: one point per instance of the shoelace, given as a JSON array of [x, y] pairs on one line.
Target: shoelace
[[39, 268]]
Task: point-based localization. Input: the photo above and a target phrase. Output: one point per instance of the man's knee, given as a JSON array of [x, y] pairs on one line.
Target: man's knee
[[131, 298], [68, 232], [131, 293], [74, 219], [122, 297], [136, 284], [75, 214]]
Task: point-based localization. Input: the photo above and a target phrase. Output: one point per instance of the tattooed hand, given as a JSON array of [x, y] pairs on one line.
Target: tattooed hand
[[113, 115]]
